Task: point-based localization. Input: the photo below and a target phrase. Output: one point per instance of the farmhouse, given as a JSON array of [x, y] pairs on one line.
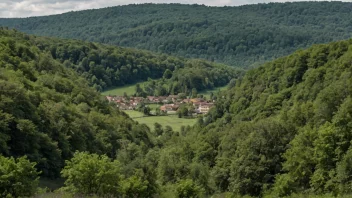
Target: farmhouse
[[204, 108], [169, 107]]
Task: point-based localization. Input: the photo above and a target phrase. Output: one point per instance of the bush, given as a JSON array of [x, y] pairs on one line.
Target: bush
[[18, 177], [187, 188], [91, 174]]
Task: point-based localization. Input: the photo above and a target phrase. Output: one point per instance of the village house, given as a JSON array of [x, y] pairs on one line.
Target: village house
[[151, 98], [169, 107], [109, 98], [173, 98], [204, 108]]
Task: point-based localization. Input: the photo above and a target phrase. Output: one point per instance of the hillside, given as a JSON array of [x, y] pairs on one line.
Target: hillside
[[51, 110], [107, 66], [48, 112], [242, 36], [284, 128]]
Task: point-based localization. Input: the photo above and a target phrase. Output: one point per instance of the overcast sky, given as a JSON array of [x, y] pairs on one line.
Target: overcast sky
[[25, 8]]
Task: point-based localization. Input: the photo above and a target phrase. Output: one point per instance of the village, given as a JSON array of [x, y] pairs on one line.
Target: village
[[168, 104]]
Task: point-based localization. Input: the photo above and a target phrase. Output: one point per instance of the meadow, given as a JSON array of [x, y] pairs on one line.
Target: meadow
[[119, 91], [206, 93], [171, 120]]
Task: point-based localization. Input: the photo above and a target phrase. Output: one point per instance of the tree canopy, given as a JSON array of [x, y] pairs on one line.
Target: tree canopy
[[282, 128], [18, 177], [47, 111], [242, 36], [105, 66]]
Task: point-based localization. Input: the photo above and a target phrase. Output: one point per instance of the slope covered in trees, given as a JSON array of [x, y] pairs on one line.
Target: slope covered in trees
[[107, 66], [241, 36], [197, 76], [48, 112], [284, 128]]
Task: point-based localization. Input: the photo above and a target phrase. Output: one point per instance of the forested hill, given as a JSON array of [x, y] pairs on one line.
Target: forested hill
[[240, 36], [47, 112], [284, 128], [106, 66]]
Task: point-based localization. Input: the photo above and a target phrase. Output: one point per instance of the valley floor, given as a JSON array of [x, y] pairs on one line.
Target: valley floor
[[171, 120]]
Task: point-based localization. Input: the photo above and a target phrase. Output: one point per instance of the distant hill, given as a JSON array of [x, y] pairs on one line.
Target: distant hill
[[106, 66], [241, 36]]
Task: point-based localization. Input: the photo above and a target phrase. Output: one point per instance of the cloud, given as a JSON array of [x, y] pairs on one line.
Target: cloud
[[26, 8]]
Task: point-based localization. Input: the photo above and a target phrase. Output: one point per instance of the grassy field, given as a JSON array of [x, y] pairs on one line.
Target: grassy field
[[172, 120], [206, 93], [154, 106], [119, 91], [134, 114]]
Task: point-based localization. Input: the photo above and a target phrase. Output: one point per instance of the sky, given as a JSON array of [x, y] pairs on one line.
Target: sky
[[26, 8]]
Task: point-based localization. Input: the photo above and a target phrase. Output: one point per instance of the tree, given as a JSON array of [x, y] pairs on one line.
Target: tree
[[18, 177], [182, 96], [135, 187], [194, 93], [182, 111], [146, 110], [157, 111], [188, 189], [158, 129], [92, 174], [167, 74]]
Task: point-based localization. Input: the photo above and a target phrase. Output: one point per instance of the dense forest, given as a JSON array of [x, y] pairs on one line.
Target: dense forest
[[48, 112], [194, 77], [283, 129], [107, 66], [241, 36]]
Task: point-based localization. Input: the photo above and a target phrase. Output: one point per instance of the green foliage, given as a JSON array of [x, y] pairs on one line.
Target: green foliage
[[105, 66], [143, 108], [134, 187], [284, 128], [258, 157], [18, 177], [195, 76], [243, 36], [48, 111], [187, 188], [92, 174]]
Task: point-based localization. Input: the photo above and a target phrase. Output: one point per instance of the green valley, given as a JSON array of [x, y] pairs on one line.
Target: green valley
[[50, 114], [88, 119]]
